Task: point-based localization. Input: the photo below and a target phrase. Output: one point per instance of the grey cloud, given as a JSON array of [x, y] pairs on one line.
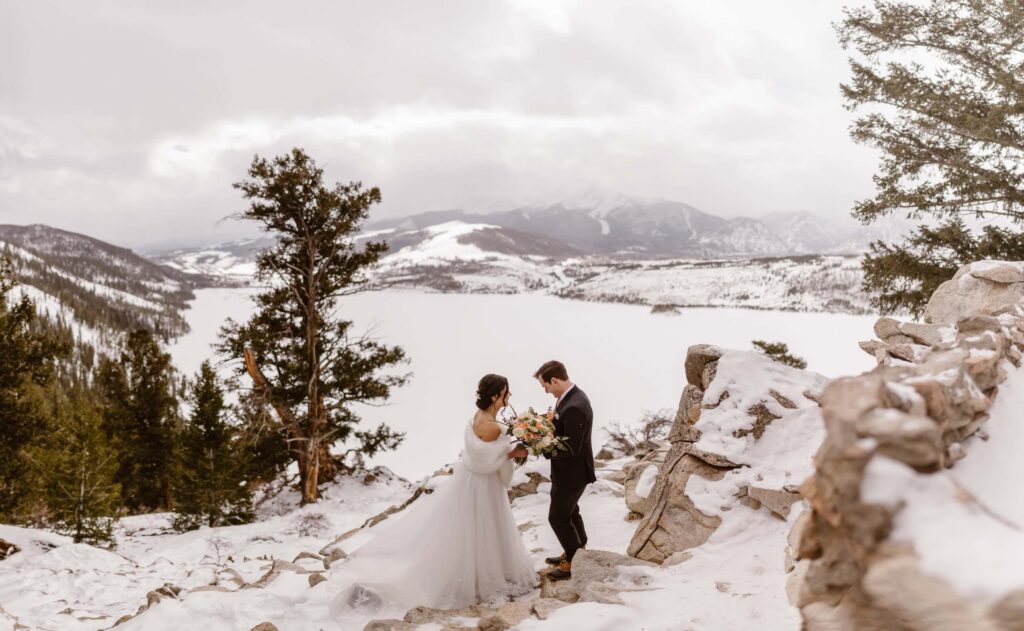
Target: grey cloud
[[130, 120]]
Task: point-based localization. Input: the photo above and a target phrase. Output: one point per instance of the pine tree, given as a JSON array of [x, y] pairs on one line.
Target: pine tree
[[27, 356], [942, 83], [76, 468], [779, 351], [210, 485], [140, 417], [262, 438], [304, 362], [906, 275]]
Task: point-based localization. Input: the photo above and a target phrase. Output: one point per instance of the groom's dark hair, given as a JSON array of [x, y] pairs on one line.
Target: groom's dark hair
[[551, 370]]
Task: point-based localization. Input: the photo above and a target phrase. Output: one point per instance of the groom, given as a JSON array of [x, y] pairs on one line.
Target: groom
[[571, 469]]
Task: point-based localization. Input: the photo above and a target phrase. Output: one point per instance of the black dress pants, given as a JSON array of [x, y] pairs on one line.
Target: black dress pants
[[564, 517]]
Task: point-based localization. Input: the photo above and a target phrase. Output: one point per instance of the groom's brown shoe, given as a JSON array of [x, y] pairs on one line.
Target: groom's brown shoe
[[562, 572], [558, 559]]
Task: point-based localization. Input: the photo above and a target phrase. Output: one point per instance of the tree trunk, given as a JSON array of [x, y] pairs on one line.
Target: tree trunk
[[312, 478], [308, 476], [314, 403]]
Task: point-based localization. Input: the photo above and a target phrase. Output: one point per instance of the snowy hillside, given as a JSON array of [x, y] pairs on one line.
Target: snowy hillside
[[96, 289], [800, 283], [232, 262]]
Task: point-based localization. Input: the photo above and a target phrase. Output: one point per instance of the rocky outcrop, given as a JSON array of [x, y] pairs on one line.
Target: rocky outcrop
[[671, 522], [593, 575], [915, 412], [979, 288], [722, 417]]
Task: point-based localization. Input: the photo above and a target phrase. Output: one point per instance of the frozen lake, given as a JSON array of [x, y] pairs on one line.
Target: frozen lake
[[627, 360]]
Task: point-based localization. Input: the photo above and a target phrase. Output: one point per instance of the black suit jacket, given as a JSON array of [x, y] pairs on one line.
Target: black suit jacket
[[574, 419]]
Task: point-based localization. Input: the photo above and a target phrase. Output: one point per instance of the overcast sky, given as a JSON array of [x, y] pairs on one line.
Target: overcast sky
[[129, 120]]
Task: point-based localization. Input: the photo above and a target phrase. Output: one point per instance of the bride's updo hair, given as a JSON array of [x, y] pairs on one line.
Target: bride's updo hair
[[488, 388]]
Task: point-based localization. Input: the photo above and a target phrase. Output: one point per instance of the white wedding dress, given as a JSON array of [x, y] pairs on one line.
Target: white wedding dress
[[450, 549]]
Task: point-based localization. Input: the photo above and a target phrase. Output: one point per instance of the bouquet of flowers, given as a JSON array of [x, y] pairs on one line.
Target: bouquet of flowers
[[536, 432]]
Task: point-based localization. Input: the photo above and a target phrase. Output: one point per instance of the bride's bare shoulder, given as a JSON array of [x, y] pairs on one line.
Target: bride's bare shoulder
[[486, 429]]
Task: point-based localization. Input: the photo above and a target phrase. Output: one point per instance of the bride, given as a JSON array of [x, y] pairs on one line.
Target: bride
[[456, 547]]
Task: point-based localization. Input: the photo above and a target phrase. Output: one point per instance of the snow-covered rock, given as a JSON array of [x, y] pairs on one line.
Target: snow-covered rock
[[980, 287], [744, 434], [911, 524]]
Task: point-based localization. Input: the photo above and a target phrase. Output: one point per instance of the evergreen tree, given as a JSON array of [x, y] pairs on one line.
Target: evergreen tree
[[779, 351], [27, 356], [304, 362], [140, 418], [210, 487], [262, 438], [76, 468], [942, 83], [906, 275]]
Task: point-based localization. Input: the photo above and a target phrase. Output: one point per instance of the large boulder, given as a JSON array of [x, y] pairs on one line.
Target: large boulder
[[982, 287], [672, 522]]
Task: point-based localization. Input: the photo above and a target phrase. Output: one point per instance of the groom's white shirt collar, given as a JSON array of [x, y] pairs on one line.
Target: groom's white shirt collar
[[567, 391]]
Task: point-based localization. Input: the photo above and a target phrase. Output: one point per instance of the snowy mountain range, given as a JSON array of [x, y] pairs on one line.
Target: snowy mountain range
[[595, 225], [608, 247], [617, 225]]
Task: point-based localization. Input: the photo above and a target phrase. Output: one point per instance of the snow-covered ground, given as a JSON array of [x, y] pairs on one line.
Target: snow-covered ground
[[734, 581], [628, 360], [55, 584]]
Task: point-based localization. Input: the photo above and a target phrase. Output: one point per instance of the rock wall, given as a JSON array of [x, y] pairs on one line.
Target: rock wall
[[931, 391], [732, 431]]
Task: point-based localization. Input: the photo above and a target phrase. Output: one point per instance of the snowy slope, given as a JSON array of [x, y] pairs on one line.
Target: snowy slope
[[733, 581], [234, 262], [77, 586], [96, 289]]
